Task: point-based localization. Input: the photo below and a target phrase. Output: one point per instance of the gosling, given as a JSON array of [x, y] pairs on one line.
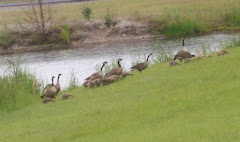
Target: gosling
[[125, 74], [66, 96], [222, 52], [209, 55], [173, 63], [187, 60], [46, 100]]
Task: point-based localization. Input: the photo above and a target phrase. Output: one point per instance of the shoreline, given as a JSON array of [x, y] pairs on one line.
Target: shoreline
[[51, 47], [15, 49]]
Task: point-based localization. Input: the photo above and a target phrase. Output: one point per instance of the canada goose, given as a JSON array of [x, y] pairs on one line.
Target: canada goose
[[222, 52], [57, 86], [110, 79], [47, 86], [51, 92], [183, 54], [187, 60], [209, 55], [93, 83], [66, 96], [173, 63], [46, 100], [199, 55], [97, 74], [86, 83], [125, 74], [142, 66], [116, 71], [97, 82]]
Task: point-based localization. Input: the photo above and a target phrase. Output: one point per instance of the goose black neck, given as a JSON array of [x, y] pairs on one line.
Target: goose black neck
[[58, 78], [102, 67], [52, 82], [148, 57], [119, 64], [183, 42]]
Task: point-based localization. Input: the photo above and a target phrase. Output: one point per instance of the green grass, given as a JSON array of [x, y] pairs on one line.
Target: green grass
[[171, 17], [18, 89], [197, 101], [182, 27]]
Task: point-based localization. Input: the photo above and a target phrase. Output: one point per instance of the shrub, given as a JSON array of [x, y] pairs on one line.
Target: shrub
[[86, 12], [5, 38], [65, 33], [110, 20]]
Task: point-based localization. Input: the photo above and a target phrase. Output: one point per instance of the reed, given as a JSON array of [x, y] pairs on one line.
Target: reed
[[18, 88]]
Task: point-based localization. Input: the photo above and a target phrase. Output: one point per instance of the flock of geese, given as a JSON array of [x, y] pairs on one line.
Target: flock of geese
[[116, 74]]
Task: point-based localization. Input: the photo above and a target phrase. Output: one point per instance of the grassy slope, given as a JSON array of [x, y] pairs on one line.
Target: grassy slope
[[172, 17], [198, 101], [139, 9]]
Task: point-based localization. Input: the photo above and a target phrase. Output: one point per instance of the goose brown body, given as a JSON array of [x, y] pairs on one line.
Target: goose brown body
[[183, 54], [173, 63], [85, 84], [46, 100], [66, 96], [110, 79], [125, 74], [141, 66], [97, 74], [117, 71], [51, 92], [222, 52], [47, 86]]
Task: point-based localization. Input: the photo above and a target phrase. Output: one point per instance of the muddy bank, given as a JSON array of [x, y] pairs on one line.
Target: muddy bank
[[86, 34], [82, 34]]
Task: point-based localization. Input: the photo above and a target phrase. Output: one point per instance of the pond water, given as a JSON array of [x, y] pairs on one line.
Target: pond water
[[83, 61]]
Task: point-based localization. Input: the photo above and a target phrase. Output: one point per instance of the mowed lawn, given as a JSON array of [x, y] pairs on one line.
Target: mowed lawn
[[194, 102]]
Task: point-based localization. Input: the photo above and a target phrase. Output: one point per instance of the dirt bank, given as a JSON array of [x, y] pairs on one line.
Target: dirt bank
[[86, 34]]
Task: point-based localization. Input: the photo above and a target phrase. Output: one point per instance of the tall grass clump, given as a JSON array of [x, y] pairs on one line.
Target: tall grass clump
[[73, 81], [206, 48], [65, 33], [234, 43], [163, 54], [180, 25], [18, 88], [232, 13]]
